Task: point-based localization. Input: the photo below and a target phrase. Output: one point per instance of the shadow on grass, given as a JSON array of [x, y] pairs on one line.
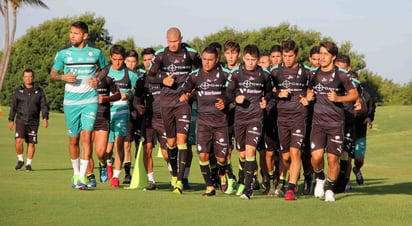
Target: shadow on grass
[[380, 186], [50, 169]]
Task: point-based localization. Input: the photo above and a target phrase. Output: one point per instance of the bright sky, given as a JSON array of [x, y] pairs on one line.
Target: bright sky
[[378, 29]]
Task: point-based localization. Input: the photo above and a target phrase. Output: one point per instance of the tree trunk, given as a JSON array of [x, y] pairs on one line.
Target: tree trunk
[[6, 53]]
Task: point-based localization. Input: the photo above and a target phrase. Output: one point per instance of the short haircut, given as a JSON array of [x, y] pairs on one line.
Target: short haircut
[[118, 49], [290, 45], [331, 47], [216, 45], [210, 49], [276, 48], [232, 45], [28, 70], [148, 51], [132, 53], [315, 50], [343, 58], [81, 25], [251, 49]]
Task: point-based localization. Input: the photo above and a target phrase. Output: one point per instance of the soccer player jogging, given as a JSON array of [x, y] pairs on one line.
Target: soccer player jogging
[[27, 101], [209, 83], [170, 67], [291, 81], [332, 87], [79, 63], [249, 87]]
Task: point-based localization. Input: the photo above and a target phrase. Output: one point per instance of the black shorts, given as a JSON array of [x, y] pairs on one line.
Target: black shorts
[[154, 131], [328, 137], [102, 122], [134, 129], [291, 134], [270, 138], [247, 134], [28, 132], [214, 139], [176, 120]]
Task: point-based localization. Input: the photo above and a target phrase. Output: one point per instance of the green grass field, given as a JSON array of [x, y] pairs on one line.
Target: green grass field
[[45, 197]]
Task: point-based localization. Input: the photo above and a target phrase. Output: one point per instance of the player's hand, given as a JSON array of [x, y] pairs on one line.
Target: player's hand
[[239, 99], [11, 125], [140, 109], [263, 103], [332, 96], [45, 123], [303, 100], [368, 121], [69, 77], [168, 81], [219, 104], [310, 95], [93, 82], [184, 97], [284, 93], [124, 96]]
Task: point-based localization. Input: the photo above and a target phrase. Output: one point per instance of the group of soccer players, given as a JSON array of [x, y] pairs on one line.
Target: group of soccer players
[[290, 113]]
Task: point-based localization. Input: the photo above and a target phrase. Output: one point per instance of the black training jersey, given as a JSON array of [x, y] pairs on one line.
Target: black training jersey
[[326, 111], [208, 87], [253, 85], [105, 87], [297, 80], [179, 65]]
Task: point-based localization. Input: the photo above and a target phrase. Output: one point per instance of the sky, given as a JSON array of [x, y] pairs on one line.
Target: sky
[[380, 30]]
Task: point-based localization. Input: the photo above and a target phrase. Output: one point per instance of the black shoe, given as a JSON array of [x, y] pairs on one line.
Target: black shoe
[[209, 192], [358, 174], [127, 179], [256, 185], [28, 168], [19, 165], [150, 187], [307, 185], [186, 184]]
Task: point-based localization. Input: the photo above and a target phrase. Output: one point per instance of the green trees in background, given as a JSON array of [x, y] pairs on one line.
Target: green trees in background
[[37, 49]]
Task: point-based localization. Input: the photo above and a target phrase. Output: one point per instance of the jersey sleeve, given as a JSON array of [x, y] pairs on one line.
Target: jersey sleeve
[[58, 63]]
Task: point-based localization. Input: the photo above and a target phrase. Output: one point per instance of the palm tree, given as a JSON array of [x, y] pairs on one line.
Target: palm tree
[[9, 37]]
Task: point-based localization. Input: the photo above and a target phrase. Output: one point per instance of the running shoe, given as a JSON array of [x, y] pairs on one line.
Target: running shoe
[[329, 196], [266, 187], [178, 188], [150, 187], [75, 179], [173, 182], [185, 183], [92, 181], [110, 172], [19, 165], [231, 183], [358, 174], [247, 194], [320, 188], [210, 191], [127, 179], [348, 187], [280, 192], [115, 182], [82, 183], [240, 189], [28, 168], [103, 173], [307, 184], [223, 182], [290, 195]]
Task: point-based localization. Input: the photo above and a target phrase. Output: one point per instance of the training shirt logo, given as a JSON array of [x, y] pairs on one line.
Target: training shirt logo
[[90, 53]]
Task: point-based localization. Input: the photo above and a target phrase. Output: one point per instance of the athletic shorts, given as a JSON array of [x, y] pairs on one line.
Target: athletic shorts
[[327, 137], [154, 131], [247, 134], [291, 134], [360, 147], [270, 138], [214, 139], [102, 122], [29, 133], [176, 120], [80, 117], [119, 121], [134, 129]]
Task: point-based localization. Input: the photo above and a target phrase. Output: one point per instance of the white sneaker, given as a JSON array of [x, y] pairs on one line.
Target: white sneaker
[[320, 188], [329, 196]]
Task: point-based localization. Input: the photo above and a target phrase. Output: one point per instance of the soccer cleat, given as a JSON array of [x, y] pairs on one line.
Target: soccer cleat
[[92, 181], [186, 184], [329, 196], [109, 172], [210, 191], [103, 173], [75, 179], [19, 165], [358, 174], [307, 184], [320, 188], [28, 168], [256, 185], [348, 187], [247, 195], [230, 186], [127, 179], [178, 188], [280, 192], [273, 185], [223, 182], [115, 182], [290, 195], [266, 187], [173, 182], [240, 189], [82, 183], [150, 187]]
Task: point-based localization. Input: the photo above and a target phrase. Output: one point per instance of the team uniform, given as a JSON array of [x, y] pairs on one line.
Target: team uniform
[[248, 116], [80, 100]]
